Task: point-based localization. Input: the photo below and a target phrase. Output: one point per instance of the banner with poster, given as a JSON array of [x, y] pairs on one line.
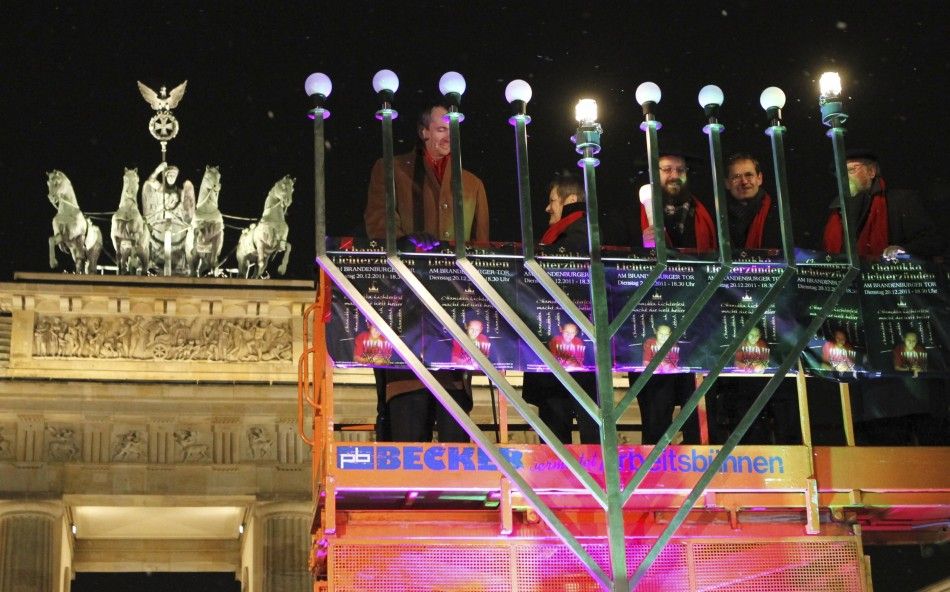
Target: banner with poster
[[744, 288], [351, 340], [482, 322], [653, 320], [902, 304], [892, 321], [550, 323], [839, 349]]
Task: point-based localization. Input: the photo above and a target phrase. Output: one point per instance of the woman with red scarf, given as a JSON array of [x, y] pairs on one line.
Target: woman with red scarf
[[567, 232]]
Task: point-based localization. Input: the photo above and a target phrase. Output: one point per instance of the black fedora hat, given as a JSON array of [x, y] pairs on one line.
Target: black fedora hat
[[861, 154]]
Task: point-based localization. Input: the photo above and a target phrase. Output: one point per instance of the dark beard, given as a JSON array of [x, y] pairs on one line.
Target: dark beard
[[679, 199]]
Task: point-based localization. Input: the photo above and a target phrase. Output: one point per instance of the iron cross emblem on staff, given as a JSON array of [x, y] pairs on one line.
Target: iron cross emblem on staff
[[163, 126]]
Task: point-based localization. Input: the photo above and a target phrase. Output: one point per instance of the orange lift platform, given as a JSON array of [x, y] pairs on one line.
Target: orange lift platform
[[403, 516]]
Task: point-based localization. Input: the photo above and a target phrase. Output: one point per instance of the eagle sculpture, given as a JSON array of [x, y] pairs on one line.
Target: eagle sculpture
[[162, 100]]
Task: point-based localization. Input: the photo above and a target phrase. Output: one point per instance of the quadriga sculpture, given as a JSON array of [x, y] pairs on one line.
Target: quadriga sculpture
[[73, 232], [205, 235], [130, 234], [261, 241]]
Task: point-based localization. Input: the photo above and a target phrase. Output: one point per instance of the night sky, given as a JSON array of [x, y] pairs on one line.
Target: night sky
[[69, 99], [70, 102]]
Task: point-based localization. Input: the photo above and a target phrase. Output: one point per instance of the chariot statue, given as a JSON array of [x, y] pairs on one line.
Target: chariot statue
[[73, 232]]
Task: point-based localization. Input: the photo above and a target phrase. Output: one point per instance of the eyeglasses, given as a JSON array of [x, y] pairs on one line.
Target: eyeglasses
[[739, 177], [853, 168], [672, 169]]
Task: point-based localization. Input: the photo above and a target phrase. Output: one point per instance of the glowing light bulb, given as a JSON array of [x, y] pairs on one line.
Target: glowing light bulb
[[518, 90], [772, 98], [648, 92], [830, 85], [318, 83], [710, 95], [385, 80], [452, 82], [585, 112]]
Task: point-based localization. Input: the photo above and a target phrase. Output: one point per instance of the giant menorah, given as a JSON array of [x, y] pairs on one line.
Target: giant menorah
[[599, 326]]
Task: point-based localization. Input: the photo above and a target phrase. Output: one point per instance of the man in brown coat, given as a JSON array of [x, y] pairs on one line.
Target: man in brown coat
[[424, 217], [424, 190]]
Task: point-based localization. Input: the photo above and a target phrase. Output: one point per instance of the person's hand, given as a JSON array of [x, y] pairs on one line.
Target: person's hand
[[893, 253], [417, 242], [649, 237]]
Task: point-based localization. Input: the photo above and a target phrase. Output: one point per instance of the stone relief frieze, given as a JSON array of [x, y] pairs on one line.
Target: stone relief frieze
[[61, 445], [129, 446], [162, 338], [260, 442], [190, 446], [7, 441], [132, 443]]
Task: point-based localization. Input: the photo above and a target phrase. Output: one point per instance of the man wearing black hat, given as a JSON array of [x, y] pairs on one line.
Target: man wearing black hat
[[688, 226], [887, 222], [688, 223]]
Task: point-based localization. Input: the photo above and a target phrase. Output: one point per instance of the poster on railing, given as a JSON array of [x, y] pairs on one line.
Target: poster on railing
[[747, 285], [902, 303], [551, 324], [838, 350], [891, 321], [461, 300], [351, 339], [653, 320]]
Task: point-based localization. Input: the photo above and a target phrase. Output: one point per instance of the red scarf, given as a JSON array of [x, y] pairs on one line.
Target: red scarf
[[438, 168], [705, 228], [557, 229], [873, 236], [753, 239]]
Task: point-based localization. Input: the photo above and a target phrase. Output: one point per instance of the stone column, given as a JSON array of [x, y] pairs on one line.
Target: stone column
[[277, 544], [35, 547]]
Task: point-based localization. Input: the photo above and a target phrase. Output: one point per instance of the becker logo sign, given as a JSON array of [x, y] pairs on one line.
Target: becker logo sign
[[421, 458]]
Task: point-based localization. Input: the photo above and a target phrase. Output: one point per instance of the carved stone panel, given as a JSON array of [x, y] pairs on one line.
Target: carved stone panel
[[62, 443], [260, 443], [162, 338], [129, 444], [7, 441], [192, 446]]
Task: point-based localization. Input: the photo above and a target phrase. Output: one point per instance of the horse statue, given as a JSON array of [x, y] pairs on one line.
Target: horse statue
[[205, 235], [130, 233], [267, 237], [73, 232]]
